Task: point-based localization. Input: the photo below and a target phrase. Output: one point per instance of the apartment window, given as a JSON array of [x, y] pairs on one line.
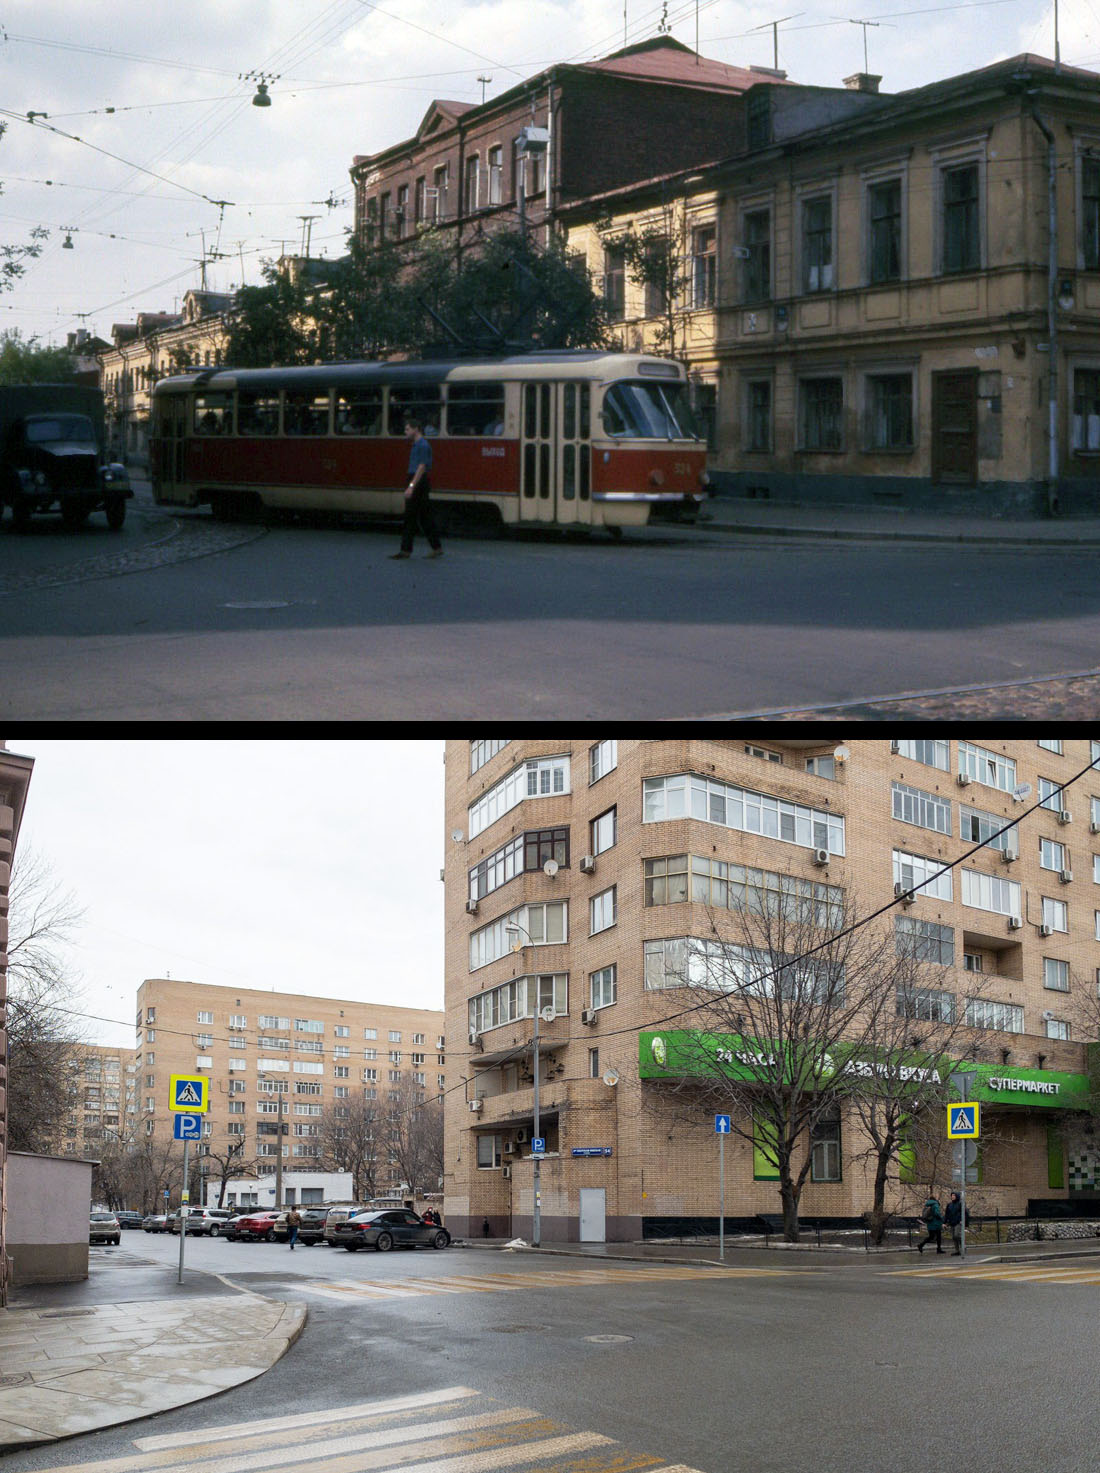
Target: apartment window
[[601, 911], [401, 215], [546, 924], [973, 961], [981, 828], [961, 219], [308, 1025], [308, 1089], [1051, 744], [204, 1040], [1050, 794], [309, 1046], [370, 1053], [543, 777], [395, 1035], [925, 941], [1001, 1017], [822, 767], [722, 885], [614, 281], [890, 411], [238, 1020], [1052, 855], [488, 1151], [987, 892], [759, 127], [884, 218], [419, 1038], [817, 244], [1085, 430], [601, 988], [369, 1076], [420, 200], [704, 266], [656, 252], [1090, 214], [370, 1032], [602, 759], [1057, 1028], [926, 1004], [593, 1063], [236, 1107], [385, 216], [267, 1020], [1055, 914], [602, 831], [1055, 974], [929, 750], [341, 1031], [150, 1035], [473, 183], [927, 877], [304, 1066], [372, 221], [1096, 924], [495, 159], [821, 414], [689, 795], [990, 768], [482, 749], [395, 1076], [341, 1091], [825, 1151], [756, 276], [519, 999], [395, 1056], [758, 416], [440, 182], [204, 1061], [206, 1017]]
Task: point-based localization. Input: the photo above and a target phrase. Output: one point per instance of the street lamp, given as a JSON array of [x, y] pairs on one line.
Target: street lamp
[[513, 928]]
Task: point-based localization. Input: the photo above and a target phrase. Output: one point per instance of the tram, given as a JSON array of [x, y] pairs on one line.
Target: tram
[[556, 439]]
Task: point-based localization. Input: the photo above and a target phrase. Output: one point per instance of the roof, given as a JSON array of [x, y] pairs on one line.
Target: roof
[[665, 60]]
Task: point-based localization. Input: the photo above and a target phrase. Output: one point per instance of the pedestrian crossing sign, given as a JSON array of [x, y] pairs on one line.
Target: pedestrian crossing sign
[[190, 1094], [963, 1121]]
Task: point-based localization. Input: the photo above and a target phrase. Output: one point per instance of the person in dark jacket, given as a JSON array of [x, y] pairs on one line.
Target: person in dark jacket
[[418, 510], [952, 1216], [293, 1223], [932, 1217]]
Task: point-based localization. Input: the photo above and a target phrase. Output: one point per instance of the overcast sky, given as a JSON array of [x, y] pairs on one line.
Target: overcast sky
[[301, 866], [353, 77]]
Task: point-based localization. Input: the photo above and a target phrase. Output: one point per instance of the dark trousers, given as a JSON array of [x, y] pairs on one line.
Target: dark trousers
[[418, 512], [935, 1235], [293, 1235]]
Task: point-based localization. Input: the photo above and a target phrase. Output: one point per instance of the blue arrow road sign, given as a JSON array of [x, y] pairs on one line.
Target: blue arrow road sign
[[722, 1124], [187, 1128]]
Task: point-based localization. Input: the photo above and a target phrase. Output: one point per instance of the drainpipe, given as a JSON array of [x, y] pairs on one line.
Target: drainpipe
[[1053, 504]]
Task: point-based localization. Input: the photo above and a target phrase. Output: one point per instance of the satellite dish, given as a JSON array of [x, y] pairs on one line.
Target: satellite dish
[[611, 1078], [550, 868], [842, 753], [1020, 792], [457, 835], [548, 1015]]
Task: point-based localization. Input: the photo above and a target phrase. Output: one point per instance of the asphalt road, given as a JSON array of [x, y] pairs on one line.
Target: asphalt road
[[811, 1367], [177, 618]]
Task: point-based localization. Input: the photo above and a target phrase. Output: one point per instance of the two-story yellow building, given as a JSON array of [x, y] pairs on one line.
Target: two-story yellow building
[[887, 299]]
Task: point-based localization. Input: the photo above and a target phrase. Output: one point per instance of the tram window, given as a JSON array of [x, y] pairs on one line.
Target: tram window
[[257, 414], [475, 409], [415, 401], [305, 414], [530, 411], [585, 402], [649, 411], [359, 412], [568, 472], [213, 414], [569, 417]]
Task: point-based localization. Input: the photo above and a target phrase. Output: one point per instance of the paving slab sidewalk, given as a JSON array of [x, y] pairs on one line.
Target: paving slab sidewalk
[[66, 1370]]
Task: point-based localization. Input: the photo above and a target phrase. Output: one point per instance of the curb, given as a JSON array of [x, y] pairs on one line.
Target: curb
[[845, 534]]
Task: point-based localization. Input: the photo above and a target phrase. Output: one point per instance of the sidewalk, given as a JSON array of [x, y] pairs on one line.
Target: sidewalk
[[69, 1370], [744, 516]]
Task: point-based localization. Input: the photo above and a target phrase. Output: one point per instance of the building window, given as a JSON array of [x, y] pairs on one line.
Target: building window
[[473, 183], [602, 759], [704, 266], [759, 128], [483, 749], [821, 414], [206, 1017], [973, 961], [688, 795], [1057, 1028], [987, 892], [924, 940], [601, 911], [1055, 914], [395, 1035], [495, 160], [825, 1154], [1051, 744], [593, 1063], [961, 238], [266, 1020], [1090, 214], [204, 1040], [725, 886], [601, 985], [822, 767], [420, 200], [543, 777], [204, 1061], [440, 185], [401, 215], [546, 924], [488, 1151], [308, 1025], [925, 810], [756, 276], [890, 411], [758, 416], [924, 877], [528, 851], [1052, 855], [884, 218], [238, 1020], [519, 999], [981, 828], [1050, 795], [602, 831], [817, 244], [1055, 974], [370, 1032], [999, 1017]]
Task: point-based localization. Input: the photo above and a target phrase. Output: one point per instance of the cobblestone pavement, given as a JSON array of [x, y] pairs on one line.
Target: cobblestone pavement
[[1071, 697], [169, 540]]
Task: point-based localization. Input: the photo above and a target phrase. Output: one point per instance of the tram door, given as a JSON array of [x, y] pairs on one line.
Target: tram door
[[555, 453], [172, 412]]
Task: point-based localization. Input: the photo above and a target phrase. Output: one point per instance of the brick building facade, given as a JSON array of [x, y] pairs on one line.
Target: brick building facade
[[595, 944], [103, 1099]]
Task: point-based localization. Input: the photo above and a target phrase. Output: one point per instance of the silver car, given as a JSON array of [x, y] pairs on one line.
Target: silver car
[[103, 1227]]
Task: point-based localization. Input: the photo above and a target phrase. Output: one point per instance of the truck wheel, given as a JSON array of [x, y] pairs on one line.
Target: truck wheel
[[116, 513]]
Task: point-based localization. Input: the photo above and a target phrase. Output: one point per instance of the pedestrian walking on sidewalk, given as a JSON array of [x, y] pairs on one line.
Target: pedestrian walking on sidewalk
[[418, 507], [293, 1223], [932, 1217], [952, 1216]]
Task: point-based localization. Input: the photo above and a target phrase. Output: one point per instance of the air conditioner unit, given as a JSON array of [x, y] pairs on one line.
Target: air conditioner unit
[[821, 857], [1047, 1015], [1065, 816], [895, 747], [1015, 922], [506, 1172], [471, 907], [1094, 828], [521, 1135], [1046, 930], [474, 1036], [475, 1106], [963, 779], [1009, 856], [901, 893], [509, 1148], [588, 1015], [588, 864], [1066, 876]]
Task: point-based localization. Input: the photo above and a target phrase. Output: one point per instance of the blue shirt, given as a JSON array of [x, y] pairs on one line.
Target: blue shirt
[[420, 453]]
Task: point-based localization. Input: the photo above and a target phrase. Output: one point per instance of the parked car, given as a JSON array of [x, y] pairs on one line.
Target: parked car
[[386, 1230], [103, 1228], [255, 1225], [154, 1222], [200, 1220], [129, 1219], [336, 1215], [312, 1228], [230, 1229]]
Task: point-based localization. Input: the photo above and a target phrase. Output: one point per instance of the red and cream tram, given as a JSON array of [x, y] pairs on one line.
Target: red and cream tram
[[559, 439]]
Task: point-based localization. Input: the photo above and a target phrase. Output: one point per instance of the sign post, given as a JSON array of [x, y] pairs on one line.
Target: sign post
[[964, 1126], [722, 1129], [189, 1101]]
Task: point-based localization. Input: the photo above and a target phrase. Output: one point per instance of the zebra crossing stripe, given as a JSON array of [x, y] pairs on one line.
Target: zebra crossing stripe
[[539, 1279]]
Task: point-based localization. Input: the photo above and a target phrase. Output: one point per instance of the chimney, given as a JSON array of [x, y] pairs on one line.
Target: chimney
[[862, 82]]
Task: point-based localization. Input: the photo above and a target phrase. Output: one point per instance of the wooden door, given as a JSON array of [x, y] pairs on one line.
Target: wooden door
[[955, 427]]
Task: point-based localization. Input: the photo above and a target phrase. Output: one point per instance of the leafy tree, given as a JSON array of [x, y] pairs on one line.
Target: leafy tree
[[655, 260], [267, 326], [24, 361]]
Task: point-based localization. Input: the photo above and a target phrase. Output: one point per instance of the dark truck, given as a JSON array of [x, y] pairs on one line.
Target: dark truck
[[51, 455]]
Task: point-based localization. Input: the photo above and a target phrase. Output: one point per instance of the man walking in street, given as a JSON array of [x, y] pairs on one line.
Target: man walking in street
[[293, 1223], [932, 1217], [953, 1218], [418, 508]]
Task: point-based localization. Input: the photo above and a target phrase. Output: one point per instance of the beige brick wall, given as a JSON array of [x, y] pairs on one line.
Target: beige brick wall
[[662, 1166]]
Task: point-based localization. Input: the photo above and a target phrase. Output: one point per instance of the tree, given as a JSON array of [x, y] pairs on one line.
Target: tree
[[24, 361], [267, 325], [655, 259], [351, 1138], [42, 1029], [416, 1136], [227, 1163]]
